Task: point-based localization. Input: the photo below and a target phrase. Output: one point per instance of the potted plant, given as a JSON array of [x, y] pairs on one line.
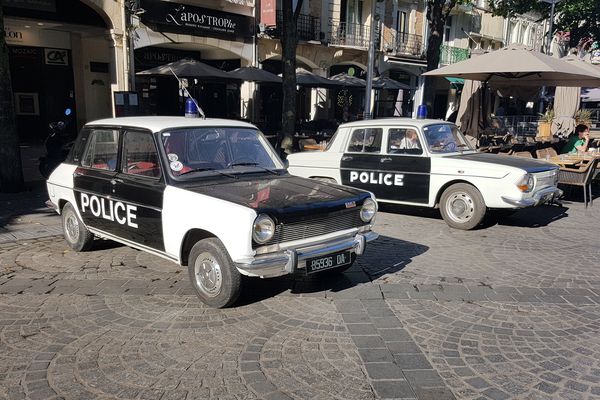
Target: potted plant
[[546, 123], [583, 116]]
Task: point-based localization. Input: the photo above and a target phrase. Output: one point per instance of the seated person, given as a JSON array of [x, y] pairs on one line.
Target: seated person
[[578, 141], [410, 140]]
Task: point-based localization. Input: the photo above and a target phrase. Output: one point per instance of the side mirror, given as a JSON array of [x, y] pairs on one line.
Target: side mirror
[[286, 163]]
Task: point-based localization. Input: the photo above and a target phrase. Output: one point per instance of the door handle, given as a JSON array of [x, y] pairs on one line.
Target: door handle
[[386, 159], [114, 181], [347, 158]]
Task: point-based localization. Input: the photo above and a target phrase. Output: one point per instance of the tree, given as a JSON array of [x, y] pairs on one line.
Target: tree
[[579, 17], [289, 41], [11, 174], [437, 14]]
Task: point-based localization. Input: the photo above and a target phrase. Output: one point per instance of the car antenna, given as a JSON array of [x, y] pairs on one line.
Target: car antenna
[[188, 93]]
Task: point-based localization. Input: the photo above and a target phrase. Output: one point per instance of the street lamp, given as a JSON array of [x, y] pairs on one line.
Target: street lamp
[[549, 43], [371, 60], [553, 2]]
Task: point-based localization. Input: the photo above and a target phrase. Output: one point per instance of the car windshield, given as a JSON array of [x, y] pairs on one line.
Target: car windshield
[[218, 150], [445, 138]]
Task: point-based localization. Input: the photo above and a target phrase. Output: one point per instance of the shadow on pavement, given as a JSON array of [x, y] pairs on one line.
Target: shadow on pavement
[[31, 201], [533, 217], [386, 255]]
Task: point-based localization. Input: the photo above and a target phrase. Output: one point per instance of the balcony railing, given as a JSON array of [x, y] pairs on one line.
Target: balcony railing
[[405, 44], [348, 34], [309, 27], [451, 54]]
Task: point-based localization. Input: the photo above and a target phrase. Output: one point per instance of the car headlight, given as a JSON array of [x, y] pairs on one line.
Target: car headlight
[[263, 229], [368, 210], [525, 184]]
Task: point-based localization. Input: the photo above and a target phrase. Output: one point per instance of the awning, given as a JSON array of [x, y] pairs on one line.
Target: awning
[[457, 81]]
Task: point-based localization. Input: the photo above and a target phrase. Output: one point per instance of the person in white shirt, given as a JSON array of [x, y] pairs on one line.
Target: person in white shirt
[[410, 140]]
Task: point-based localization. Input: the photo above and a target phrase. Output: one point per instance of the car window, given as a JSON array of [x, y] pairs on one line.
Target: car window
[[235, 149], [139, 155], [404, 141], [102, 149], [365, 140], [445, 138]]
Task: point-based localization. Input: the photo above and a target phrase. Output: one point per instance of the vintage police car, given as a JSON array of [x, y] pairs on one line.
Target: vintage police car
[[428, 163], [210, 194]]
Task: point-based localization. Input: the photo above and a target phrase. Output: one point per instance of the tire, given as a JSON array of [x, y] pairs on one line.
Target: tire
[[213, 275], [76, 233], [462, 206]]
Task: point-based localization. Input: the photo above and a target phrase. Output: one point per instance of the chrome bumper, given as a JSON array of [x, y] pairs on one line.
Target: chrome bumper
[[288, 261], [546, 195]]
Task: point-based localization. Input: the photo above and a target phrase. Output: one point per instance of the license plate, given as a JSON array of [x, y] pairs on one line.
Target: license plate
[[329, 261]]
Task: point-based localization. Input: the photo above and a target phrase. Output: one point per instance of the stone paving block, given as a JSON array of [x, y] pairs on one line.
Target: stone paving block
[[383, 370], [361, 329], [375, 355], [423, 378], [440, 393], [368, 342], [412, 361], [393, 389], [402, 347]]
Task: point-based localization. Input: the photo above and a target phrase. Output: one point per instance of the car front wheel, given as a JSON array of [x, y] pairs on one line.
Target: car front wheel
[[215, 278], [75, 232], [462, 206]]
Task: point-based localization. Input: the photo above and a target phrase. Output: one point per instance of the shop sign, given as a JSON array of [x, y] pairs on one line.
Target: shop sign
[[56, 57], [267, 13], [150, 57], [196, 21], [12, 36]]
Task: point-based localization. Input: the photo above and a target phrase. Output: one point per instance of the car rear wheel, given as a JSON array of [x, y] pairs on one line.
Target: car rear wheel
[[215, 278], [75, 232], [462, 206]]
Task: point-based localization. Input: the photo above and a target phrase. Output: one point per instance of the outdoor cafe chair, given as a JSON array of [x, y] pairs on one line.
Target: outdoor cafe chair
[[546, 153], [581, 176]]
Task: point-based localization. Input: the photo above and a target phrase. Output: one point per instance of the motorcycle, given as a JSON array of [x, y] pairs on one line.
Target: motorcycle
[[57, 149]]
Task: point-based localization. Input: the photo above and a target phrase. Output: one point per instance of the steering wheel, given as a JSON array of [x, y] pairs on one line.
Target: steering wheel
[[133, 166], [450, 146]]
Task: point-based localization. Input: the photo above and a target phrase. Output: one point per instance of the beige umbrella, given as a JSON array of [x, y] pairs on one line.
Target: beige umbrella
[[519, 65], [567, 99], [470, 117], [566, 104]]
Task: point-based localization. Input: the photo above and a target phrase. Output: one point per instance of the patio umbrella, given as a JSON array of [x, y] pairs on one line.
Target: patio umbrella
[[567, 99], [349, 81], [470, 119], [518, 65], [566, 104], [188, 67], [253, 74], [308, 79], [382, 82]]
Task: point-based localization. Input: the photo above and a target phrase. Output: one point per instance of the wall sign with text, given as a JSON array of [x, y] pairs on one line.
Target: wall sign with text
[[182, 18]]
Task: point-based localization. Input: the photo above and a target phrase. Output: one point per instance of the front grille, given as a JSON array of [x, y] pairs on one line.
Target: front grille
[[321, 225], [545, 179]]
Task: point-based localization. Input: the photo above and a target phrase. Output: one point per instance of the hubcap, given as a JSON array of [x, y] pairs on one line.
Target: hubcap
[[208, 275], [460, 207], [72, 227]]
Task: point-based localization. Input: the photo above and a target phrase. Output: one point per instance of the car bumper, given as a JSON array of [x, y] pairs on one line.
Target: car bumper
[[540, 197], [290, 260]]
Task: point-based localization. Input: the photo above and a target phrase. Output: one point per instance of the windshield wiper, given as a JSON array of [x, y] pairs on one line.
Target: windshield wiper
[[254, 164], [208, 169]]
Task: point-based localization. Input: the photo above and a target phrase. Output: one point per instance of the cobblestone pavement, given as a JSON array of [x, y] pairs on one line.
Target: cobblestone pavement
[[508, 311]]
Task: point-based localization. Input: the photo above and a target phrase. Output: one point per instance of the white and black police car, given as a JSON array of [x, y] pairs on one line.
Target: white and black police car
[[208, 194], [429, 163]]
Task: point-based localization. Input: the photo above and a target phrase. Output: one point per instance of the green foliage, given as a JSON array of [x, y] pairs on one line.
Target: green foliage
[[547, 116], [579, 17]]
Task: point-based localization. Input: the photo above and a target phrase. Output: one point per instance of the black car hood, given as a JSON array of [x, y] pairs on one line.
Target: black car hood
[[282, 196], [527, 164]]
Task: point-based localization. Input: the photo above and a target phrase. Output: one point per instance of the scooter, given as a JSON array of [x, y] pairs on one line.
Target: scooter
[[56, 149]]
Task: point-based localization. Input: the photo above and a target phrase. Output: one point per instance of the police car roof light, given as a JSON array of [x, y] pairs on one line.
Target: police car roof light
[[189, 95]]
